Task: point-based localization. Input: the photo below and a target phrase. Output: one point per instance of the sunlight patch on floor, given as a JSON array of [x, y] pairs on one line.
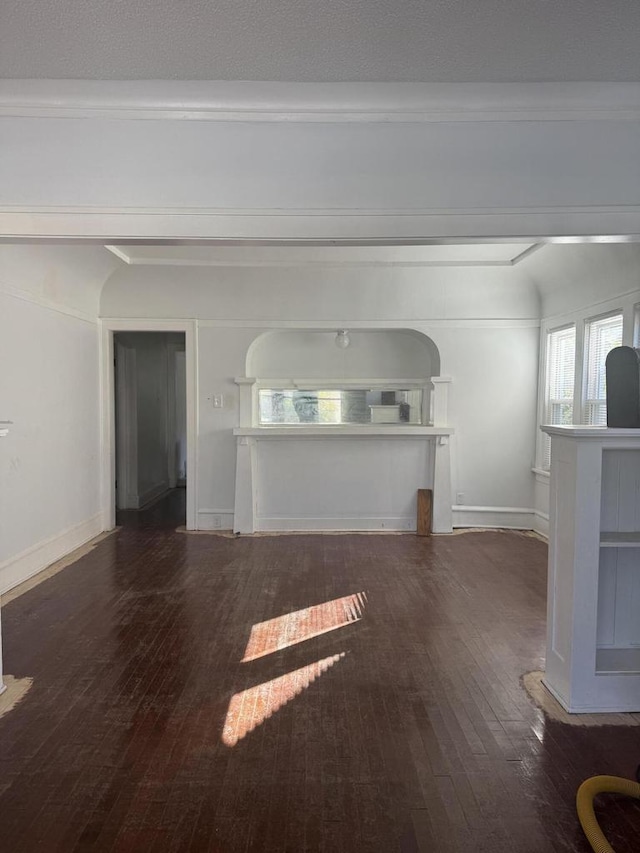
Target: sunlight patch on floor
[[250, 708], [300, 625], [16, 690]]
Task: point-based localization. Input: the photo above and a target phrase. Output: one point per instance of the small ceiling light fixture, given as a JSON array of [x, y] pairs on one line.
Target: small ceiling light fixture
[[342, 338]]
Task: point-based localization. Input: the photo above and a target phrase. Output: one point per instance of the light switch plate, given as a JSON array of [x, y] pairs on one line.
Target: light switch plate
[[218, 401]]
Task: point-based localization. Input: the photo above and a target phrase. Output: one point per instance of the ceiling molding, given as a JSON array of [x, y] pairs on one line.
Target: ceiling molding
[[319, 102], [416, 324], [526, 254], [356, 227], [328, 257]]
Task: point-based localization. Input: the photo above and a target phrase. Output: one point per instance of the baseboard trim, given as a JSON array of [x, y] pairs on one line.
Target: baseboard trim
[[283, 525], [28, 563], [541, 523], [215, 519], [507, 517]]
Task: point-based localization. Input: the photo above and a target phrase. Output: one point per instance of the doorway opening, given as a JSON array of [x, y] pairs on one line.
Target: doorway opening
[[150, 427]]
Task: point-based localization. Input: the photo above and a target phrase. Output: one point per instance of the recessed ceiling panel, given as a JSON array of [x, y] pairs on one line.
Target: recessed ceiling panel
[[479, 254]]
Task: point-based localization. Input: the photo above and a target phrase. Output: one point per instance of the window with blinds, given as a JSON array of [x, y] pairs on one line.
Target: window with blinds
[[602, 336], [561, 365]]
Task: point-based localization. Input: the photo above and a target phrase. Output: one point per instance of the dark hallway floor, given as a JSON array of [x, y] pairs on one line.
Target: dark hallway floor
[[296, 693]]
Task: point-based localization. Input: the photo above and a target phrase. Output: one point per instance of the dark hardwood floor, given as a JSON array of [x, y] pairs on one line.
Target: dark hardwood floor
[[295, 693]]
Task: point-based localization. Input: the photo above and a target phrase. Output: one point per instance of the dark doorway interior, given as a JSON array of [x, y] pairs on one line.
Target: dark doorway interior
[[150, 414]]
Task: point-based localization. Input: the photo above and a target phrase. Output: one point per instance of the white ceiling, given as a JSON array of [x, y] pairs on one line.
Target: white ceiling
[[479, 254], [322, 40]]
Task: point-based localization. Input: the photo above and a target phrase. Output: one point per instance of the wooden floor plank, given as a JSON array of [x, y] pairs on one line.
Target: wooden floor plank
[[295, 693]]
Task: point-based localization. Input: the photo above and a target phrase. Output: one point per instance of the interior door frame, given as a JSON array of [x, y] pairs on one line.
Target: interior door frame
[[107, 328]]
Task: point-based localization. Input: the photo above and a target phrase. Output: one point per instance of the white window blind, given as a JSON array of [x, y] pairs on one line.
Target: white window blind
[[602, 336], [561, 365]]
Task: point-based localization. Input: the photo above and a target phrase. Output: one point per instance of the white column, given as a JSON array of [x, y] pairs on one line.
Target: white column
[[246, 387], [244, 517], [442, 521], [441, 400], [574, 550]]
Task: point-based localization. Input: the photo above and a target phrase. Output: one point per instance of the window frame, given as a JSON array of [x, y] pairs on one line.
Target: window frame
[[548, 402], [587, 402]]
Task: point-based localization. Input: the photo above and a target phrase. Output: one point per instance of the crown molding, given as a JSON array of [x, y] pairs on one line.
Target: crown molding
[[117, 226], [244, 259], [198, 100]]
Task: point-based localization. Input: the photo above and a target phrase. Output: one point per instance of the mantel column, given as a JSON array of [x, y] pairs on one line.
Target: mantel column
[[244, 514], [246, 387], [441, 386], [442, 511]]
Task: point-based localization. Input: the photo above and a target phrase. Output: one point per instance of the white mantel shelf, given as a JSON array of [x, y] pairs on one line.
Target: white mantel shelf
[[587, 431], [342, 431]]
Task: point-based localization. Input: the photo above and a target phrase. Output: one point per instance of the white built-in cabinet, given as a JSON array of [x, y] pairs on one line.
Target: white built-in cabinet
[[593, 608]]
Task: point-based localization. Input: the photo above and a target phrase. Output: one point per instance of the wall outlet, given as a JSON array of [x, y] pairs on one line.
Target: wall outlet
[[217, 522], [460, 498]]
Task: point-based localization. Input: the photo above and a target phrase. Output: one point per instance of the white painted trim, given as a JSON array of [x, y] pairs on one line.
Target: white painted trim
[[542, 475], [588, 432], [207, 519], [507, 517], [541, 523], [323, 102], [249, 261], [107, 430], [418, 325], [117, 225], [41, 302], [391, 523], [28, 563], [329, 431]]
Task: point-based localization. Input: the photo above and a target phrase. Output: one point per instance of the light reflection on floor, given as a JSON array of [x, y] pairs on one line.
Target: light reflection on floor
[[250, 708], [300, 625]]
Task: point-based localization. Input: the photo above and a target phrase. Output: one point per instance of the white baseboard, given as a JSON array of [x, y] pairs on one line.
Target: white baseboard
[[541, 523], [28, 563], [215, 519], [508, 517], [392, 523]]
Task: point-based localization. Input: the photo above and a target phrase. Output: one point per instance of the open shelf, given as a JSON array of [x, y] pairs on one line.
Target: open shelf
[[620, 540]]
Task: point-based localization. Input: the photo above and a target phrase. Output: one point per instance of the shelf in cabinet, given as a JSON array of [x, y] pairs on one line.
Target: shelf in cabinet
[[620, 540]]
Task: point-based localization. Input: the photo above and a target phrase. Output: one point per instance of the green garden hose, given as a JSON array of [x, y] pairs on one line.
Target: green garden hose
[[584, 803]]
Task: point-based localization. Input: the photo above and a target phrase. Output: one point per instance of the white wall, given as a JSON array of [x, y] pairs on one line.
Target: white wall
[[49, 378], [382, 354], [576, 279], [577, 283], [483, 321]]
